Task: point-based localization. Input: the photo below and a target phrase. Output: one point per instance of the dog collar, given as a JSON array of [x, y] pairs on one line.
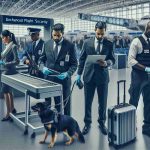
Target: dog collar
[[48, 122]]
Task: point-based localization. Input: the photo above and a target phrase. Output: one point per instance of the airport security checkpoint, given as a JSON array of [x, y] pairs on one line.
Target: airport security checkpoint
[[75, 75]]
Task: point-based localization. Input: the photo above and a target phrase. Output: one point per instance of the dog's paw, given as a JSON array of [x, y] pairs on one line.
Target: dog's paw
[[41, 142], [51, 145]]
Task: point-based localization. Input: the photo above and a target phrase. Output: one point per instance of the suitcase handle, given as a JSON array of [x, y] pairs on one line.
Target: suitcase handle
[[124, 96]]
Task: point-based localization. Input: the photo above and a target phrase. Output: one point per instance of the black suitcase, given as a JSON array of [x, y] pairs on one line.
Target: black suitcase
[[121, 122]]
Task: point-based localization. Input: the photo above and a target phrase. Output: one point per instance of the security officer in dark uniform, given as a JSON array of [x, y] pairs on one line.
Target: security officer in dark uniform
[[60, 56], [139, 59], [96, 75], [33, 52]]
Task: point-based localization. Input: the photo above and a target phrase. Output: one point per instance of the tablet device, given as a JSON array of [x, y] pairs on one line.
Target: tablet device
[[94, 58]]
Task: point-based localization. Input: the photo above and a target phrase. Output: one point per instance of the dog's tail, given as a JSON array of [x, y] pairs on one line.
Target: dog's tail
[[80, 135]]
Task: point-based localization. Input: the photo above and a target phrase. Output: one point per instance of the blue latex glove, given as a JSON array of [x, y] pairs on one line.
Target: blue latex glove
[[1, 62], [78, 78], [62, 76], [46, 71], [147, 69]]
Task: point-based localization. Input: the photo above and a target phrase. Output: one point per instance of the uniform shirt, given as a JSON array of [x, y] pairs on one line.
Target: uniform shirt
[[37, 42], [135, 48], [59, 46]]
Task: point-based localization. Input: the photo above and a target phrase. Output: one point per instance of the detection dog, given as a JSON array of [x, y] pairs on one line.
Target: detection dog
[[54, 123]]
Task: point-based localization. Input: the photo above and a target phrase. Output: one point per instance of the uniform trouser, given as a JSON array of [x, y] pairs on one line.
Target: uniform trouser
[[66, 102], [140, 84], [102, 91]]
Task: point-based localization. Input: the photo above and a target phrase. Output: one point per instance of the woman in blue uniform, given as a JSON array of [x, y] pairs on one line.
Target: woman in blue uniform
[[9, 60]]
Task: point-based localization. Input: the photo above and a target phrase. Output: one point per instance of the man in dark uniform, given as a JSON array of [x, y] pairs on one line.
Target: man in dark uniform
[[96, 75], [60, 56], [33, 52], [139, 59]]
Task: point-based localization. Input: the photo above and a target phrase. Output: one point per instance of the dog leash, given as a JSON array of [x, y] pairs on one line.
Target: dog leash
[[66, 99]]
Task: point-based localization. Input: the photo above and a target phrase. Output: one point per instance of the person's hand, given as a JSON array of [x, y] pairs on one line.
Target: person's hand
[[102, 63], [78, 79], [147, 69], [27, 62], [62, 76], [46, 71], [2, 62]]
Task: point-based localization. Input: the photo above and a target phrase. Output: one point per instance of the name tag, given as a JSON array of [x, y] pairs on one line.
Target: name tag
[[62, 63], [40, 52], [146, 51], [67, 58], [33, 57]]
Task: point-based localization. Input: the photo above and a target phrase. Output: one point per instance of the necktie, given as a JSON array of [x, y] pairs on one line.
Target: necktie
[[98, 47], [34, 43], [56, 49]]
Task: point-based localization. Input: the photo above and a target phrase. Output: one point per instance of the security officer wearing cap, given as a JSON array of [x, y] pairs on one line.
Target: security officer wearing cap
[[96, 76], [33, 52], [60, 56], [139, 60]]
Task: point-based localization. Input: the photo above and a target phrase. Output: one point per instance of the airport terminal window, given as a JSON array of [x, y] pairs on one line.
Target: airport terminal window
[[132, 12], [21, 30]]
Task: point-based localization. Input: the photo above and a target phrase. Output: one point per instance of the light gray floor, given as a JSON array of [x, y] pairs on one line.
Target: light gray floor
[[12, 138]]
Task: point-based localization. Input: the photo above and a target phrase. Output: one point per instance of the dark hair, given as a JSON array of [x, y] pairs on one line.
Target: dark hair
[[100, 25], [7, 33], [58, 27]]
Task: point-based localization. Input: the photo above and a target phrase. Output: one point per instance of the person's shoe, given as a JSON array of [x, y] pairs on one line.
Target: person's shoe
[[103, 128], [86, 129], [14, 111], [6, 118]]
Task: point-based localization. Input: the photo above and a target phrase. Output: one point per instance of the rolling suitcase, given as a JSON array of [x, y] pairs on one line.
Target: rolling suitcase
[[121, 122]]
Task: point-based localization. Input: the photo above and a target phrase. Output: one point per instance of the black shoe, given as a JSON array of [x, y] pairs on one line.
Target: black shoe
[[14, 111], [103, 128], [86, 129], [6, 118]]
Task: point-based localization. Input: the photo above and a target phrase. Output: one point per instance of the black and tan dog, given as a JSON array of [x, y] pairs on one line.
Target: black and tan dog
[[55, 123]]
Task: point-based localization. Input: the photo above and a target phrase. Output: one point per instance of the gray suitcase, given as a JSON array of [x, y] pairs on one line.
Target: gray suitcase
[[121, 122]]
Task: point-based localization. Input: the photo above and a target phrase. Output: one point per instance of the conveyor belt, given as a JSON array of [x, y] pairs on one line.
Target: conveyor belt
[[36, 87]]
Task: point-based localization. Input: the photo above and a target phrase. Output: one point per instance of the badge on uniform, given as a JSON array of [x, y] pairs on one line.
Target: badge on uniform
[[146, 51], [33, 57], [62, 63], [67, 58], [40, 52]]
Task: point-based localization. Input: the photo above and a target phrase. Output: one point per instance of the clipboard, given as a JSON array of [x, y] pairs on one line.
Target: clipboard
[[94, 58]]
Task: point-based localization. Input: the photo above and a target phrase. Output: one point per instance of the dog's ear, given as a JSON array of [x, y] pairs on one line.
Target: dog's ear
[[38, 107]]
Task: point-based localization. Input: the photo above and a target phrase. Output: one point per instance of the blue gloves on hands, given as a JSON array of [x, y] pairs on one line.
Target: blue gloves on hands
[[147, 69], [2, 63], [46, 71], [62, 76], [78, 78]]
